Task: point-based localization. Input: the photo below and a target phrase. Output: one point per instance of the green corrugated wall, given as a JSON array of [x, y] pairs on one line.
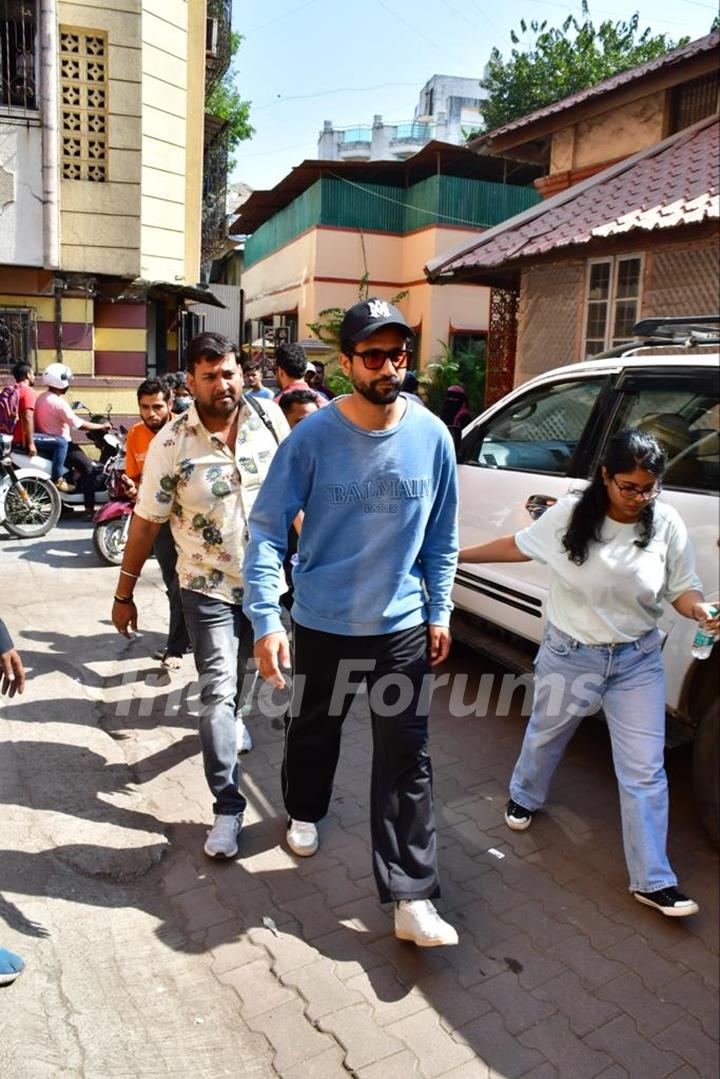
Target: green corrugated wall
[[301, 214], [449, 200]]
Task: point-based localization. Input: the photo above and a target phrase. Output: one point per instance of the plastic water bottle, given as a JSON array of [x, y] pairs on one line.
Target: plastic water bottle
[[703, 644]]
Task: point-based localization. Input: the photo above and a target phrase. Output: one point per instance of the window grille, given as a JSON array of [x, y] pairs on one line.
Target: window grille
[[83, 104], [18, 337], [18, 44], [694, 101]]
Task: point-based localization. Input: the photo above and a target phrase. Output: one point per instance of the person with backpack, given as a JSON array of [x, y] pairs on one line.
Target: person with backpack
[[17, 418]]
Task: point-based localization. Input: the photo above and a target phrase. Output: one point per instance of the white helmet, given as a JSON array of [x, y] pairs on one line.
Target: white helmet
[[57, 375]]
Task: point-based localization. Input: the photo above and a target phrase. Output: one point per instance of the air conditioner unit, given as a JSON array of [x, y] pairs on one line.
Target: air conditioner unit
[[212, 33]]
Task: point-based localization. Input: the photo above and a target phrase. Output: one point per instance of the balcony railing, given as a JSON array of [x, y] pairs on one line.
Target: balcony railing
[[357, 134], [217, 42], [416, 132], [215, 167]]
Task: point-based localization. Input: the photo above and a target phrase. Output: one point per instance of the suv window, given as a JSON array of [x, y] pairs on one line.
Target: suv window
[[685, 422], [537, 432]]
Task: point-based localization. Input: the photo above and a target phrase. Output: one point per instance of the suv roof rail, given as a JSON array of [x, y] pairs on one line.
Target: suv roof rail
[[690, 331], [678, 328]]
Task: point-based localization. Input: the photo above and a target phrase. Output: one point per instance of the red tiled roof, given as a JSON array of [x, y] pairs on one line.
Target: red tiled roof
[[676, 56], [674, 183]]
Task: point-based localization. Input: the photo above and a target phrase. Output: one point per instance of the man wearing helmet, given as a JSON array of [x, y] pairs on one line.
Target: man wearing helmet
[[53, 416]]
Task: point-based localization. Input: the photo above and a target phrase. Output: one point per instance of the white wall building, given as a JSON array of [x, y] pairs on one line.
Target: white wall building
[[447, 107]]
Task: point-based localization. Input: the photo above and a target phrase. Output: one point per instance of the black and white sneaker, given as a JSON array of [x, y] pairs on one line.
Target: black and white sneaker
[[668, 901], [517, 817]]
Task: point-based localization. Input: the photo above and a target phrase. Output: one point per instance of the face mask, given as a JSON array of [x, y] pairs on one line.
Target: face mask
[[181, 404]]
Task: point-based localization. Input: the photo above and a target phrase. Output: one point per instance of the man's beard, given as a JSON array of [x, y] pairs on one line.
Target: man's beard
[[220, 407], [371, 391], [155, 427]]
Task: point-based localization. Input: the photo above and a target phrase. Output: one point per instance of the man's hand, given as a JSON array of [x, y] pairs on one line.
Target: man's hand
[[272, 653], [12, 677], [124, 618], [439, 641], [129, 487]]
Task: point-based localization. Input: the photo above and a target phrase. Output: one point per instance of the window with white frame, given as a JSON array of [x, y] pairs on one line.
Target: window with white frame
[[613, 301]]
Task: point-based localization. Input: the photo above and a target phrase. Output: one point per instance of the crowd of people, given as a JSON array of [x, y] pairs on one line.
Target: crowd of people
[[343, 511]]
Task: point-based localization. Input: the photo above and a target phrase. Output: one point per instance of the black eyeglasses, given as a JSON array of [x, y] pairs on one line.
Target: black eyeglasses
[[375, 358], [629, 490]]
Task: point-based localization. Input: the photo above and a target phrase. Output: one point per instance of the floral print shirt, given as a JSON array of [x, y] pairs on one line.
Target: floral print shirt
[[194, 480]]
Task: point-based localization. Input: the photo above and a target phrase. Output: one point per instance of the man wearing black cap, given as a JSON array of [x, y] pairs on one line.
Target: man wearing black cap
[[375, 475]]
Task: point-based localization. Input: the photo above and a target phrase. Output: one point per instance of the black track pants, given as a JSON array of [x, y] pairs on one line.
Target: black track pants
[[327, 669]]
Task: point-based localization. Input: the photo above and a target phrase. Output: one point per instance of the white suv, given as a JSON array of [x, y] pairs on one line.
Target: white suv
[[543, 440]]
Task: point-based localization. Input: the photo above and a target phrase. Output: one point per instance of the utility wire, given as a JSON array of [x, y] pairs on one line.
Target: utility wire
[[414, 30], [325, 93], [278, 18], [400, 202]]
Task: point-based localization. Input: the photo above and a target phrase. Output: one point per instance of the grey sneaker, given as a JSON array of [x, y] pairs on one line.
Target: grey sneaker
[[222, 839]]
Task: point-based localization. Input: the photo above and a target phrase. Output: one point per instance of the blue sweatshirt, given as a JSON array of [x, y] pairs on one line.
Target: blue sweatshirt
[[378, 547]]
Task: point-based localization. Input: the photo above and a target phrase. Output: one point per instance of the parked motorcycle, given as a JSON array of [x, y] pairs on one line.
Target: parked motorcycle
[[108, 443], [29, 500], [111, 523]]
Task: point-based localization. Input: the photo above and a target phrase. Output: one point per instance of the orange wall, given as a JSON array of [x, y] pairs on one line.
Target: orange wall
[[322, 268]]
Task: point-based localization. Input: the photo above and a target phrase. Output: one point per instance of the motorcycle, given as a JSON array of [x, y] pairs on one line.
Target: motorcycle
[[111, 523], [107, 443], [29, 501]]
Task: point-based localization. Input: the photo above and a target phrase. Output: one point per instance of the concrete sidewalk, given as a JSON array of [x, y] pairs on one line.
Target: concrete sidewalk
[[145, 958]]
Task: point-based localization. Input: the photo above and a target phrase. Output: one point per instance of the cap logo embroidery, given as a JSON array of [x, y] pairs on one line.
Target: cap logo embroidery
[[379, 309]]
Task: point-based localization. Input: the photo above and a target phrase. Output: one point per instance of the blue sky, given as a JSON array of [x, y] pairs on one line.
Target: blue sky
[[305, 61]]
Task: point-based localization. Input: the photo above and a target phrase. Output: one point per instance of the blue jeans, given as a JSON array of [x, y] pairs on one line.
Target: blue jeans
[[572, 680], [54, 448], [222, 643]]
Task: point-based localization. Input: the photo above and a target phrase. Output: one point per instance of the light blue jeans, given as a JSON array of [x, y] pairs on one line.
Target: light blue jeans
[[222, 645], [573, 680]]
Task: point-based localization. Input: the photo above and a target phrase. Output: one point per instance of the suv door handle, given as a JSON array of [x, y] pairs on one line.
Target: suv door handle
[[537, 504]]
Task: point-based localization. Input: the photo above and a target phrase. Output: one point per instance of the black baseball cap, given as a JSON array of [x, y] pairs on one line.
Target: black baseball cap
[[363, 319]]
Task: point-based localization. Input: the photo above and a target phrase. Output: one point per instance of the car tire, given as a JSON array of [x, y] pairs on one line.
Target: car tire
[[706, 771]]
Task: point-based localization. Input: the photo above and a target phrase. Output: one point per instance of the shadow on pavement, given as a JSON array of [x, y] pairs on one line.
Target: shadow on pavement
[[534, 910]]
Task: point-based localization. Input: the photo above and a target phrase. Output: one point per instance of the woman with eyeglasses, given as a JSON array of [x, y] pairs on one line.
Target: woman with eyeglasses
[[615, 556]]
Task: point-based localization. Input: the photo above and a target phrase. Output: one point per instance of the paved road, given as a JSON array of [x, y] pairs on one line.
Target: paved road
[[145, 959]]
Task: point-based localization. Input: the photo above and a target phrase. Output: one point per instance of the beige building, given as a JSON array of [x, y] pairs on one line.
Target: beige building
[[328, 224], [101, 177], [628, 228]]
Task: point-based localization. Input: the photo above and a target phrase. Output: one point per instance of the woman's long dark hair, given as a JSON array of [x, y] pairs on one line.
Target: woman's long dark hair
[[626, 451]]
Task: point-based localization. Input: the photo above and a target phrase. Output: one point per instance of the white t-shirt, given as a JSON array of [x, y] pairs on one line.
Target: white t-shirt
[[53, 415], [617, 594]]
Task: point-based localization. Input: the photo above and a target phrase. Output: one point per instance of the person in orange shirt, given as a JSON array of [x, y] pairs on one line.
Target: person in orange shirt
[[154, 404]]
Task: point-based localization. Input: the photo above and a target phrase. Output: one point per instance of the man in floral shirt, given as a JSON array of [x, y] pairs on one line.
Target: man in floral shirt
[[202, 473]]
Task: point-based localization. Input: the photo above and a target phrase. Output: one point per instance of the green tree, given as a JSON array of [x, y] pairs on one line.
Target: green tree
[[557, 62], [226, 102], [466, 367]]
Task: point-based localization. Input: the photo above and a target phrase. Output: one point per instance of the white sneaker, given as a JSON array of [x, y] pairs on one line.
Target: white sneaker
[[222, 839], [302, 838], [418, 921], [244, 741]]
